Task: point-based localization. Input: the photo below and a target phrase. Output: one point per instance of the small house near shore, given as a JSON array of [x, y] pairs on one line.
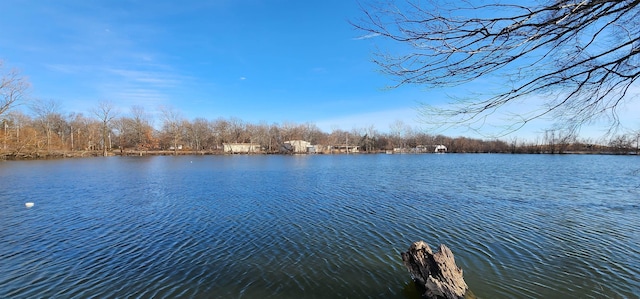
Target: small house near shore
[[241, 148], [343, 148], [440, 148], [298, 147]]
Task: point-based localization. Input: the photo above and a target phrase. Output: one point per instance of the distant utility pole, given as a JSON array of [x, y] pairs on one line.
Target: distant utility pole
[[4, 146], [347, 140]]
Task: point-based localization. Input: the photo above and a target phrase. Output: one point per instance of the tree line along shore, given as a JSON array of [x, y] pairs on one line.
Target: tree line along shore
[[48, 133]]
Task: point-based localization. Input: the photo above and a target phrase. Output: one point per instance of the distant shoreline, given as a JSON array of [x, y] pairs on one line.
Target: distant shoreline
[[86, 154]]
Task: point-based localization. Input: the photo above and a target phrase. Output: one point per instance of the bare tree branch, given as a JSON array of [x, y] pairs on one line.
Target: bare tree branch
[[13, 88], [580, 56]]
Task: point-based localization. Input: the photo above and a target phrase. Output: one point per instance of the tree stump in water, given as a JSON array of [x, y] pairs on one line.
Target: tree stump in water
[[436, 272]]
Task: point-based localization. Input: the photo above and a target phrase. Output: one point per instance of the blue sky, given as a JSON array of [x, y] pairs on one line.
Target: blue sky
[[273, 61]]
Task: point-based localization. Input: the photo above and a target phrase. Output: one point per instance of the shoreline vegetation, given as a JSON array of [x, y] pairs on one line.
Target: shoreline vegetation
[[53, 155], [50, 134]]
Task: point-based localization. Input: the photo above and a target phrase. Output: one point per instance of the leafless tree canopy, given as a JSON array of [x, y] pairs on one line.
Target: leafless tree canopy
[[105, 112], [581, 56], [13, 88]]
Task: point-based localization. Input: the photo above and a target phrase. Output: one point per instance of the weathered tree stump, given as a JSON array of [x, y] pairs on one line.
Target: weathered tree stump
[[436, 272]]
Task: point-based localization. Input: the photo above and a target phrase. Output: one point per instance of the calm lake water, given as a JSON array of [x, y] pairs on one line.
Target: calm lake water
[[521, 226]]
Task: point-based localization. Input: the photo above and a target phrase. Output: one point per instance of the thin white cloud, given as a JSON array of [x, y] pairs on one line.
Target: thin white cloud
[[125, 97], [139, 93], [67, 68], [151, 82], [149, 77], [367, 36]]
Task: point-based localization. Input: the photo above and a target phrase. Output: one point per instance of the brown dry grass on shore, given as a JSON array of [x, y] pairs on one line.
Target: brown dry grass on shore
[[98, 153]]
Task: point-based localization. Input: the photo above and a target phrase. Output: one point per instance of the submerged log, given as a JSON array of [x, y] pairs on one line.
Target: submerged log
[[436, 272]]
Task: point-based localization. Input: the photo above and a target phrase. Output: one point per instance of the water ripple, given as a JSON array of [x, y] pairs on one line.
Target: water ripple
[[317, 226]]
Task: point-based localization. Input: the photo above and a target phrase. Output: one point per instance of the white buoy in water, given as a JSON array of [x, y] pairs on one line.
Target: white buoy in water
[[29, 204]]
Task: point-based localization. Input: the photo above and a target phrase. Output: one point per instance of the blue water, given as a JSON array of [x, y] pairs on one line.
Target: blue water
[[521, 226]]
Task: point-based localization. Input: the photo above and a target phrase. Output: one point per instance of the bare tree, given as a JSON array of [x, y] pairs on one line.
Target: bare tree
[[122, 126], [573, 60], [237, 130], [47, 115], [220, 128], [172, 125], [621, 144], [14, 122], [134, 130], [275, 138], [143, 130], [312, 133], [558, 140], [13, 88], [290, 131], [105, 112], [259, 134], [398, 130], [82, 132], [198, 132]]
